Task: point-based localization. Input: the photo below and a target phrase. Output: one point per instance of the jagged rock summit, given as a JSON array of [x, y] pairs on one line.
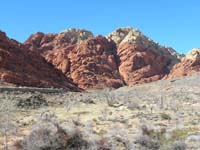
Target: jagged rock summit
[[76, 35], [135, 36], [119, 35]]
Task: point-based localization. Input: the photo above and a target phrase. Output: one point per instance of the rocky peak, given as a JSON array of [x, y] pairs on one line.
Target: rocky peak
[[129, 35], [41, 42], [73, 35], [194, 54], [136, 37], [118, 35], [141, 59], [34, 41]]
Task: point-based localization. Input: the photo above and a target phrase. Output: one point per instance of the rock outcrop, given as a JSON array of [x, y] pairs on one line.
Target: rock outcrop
[[119, 35], [90, 61], [26, 68], [56, 47], [141, 59], [94, 64], [189, 65]]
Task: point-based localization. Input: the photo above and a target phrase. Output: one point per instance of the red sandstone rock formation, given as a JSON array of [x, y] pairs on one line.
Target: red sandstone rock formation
[[140, 65], [125, 56], [94, 64], [27, 68], [90, 61], [141, 59], [189, 65]]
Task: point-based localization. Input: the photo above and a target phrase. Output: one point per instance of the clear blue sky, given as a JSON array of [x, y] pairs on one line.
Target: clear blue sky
[[174, 23]]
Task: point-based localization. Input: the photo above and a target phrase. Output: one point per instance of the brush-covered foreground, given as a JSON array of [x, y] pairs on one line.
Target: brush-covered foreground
[[162, 115]]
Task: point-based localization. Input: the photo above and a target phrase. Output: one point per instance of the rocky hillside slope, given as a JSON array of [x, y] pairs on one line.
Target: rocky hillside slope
[[26, 68]]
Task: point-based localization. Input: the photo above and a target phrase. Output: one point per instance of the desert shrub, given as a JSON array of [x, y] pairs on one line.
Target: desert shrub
[[77, 142], [34, 101], [158, 134], [110, 98], [88, 98], [181, 133], [115, 139], [177, 145], [152, 138], [69, 105], [148, 142], [104, 114]]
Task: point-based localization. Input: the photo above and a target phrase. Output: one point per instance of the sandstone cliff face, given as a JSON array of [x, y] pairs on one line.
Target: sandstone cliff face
[[189, 65], [94, 64], [26, 68], [141, 59]]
